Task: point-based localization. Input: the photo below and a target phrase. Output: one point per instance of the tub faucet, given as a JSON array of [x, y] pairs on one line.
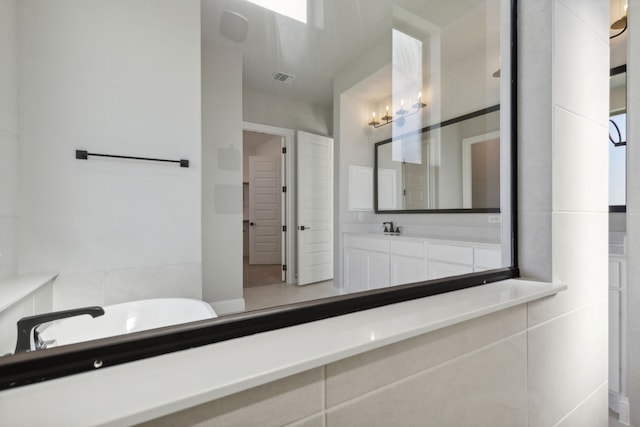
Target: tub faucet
[[27, 326]]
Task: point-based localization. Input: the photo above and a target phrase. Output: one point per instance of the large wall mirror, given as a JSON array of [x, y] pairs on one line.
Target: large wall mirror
[[618, 139], [272, 109], [455, 167]]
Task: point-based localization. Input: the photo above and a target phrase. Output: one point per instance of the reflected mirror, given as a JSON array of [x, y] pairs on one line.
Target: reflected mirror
[[278, 118], [458, 167], [618, 139]]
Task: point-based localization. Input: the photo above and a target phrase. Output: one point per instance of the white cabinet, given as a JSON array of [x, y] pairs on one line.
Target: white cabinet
[[439, 269], [360, 188], [617, 293], [374, 261], [408, 263], [366, 263], [449, 260], [486, 258]]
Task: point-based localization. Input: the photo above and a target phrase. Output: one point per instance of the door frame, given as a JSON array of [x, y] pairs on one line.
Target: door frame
[[466, 163], [287, 178]]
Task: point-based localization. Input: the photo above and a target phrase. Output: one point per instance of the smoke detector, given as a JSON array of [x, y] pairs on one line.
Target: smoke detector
[[283, 77]]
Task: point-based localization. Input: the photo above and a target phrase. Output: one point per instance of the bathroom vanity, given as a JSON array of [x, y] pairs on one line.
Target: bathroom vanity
[[374, 261]]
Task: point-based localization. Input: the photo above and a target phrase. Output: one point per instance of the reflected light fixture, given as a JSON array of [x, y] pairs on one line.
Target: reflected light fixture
[[620, 24], [402, 114]]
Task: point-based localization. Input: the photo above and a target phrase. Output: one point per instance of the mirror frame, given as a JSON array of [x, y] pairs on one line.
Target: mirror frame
[[426, 129], [32, 367], [614, 72]]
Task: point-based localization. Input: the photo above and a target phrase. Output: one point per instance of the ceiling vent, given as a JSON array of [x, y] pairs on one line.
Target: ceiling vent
[[283, 77]]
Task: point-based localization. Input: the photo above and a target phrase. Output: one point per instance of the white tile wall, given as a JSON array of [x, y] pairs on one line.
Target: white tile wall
[[579, 265], [633, 211], [578, 154], [180, 281], [567, 361], [592, 412], [576, 66], [93, 78], [482, 388], [8, 138], [78, 289]]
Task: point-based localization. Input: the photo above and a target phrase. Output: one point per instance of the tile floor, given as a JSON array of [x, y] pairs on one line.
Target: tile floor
[[263, 287], [258, 297], [260, 274]]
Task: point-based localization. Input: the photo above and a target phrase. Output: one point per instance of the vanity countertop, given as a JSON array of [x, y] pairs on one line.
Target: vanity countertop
[[430, 238]]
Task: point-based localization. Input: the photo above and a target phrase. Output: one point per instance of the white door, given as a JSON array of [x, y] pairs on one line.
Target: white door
[[315, 208], [264, 210]]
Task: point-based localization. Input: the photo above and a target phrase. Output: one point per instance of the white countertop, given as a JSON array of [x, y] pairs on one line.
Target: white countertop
[[431, 238], [150, 388], [13, 289]]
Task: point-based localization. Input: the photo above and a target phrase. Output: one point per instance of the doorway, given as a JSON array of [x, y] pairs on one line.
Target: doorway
[[263, 209]]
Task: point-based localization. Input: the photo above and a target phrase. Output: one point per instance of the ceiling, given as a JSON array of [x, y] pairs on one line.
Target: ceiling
[[340, 32]]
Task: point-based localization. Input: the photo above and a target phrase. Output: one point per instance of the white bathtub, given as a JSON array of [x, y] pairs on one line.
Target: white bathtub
[[125, 318]]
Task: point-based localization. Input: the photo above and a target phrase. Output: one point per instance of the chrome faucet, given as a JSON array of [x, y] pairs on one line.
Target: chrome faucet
[[27, 326]]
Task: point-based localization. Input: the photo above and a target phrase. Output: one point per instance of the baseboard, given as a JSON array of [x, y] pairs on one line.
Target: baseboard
[[620, 405], [228, 306]]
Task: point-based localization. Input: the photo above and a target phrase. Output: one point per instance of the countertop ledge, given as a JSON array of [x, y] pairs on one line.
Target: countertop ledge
[[13, 289], [150, 388]]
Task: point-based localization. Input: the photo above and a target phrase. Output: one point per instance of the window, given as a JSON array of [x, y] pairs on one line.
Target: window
[[416, 73]]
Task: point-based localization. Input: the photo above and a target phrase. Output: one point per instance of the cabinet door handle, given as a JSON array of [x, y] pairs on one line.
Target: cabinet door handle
[[302, 228], [252, 224]]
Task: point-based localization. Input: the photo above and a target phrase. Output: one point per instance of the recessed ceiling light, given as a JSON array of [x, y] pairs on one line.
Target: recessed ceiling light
[[295, 9]]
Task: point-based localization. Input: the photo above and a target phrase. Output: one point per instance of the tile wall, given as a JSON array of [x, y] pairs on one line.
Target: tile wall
[[632, 383], [93, 78], [8, 138]]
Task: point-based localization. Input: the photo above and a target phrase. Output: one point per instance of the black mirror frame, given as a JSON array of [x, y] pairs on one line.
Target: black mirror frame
[[425, 129], [614, 72], [33, 367]]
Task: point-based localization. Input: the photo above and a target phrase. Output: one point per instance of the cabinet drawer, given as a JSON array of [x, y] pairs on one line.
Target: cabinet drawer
[[405, 248], [488, 258], [451, 253], [370, 244], [439, 269]]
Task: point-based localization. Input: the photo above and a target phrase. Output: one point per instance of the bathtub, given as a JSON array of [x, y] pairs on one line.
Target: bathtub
[[125, 318]]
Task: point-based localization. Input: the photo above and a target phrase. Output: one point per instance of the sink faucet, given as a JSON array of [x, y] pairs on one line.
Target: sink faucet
[[388, 227], [27, 333]]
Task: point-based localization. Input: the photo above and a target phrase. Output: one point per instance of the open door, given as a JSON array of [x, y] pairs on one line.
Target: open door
[[315, 208]]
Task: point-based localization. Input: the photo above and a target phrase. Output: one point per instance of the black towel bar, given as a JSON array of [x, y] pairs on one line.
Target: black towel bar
[[84, 155]]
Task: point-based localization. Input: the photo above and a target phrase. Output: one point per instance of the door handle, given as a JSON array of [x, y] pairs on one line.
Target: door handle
[[252, 224], [302, 228]]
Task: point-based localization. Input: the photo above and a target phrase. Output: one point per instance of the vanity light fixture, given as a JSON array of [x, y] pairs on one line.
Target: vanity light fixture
[[402, 114], [620, 24]]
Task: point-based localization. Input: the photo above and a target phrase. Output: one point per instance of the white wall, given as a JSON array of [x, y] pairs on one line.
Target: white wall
[[563, 206], [278, 111], [222, 177], [633, 212], [8, 138], [118, 77]]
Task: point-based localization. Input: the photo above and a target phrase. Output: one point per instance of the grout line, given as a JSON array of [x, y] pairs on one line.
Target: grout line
[[424, 371], [575, 408], [567, 313], [587, 25], [580, 116]]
